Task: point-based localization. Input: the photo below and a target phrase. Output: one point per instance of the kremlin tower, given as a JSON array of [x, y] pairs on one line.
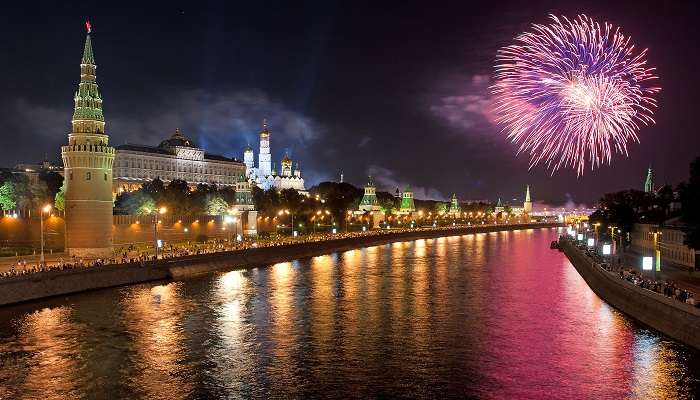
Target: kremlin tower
[[527, 205], [87, 161], [264, 157]]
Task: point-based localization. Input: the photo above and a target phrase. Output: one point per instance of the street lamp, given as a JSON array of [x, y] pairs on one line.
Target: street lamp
[[161, 210], [286, 211], [44, 210], [231, 219]]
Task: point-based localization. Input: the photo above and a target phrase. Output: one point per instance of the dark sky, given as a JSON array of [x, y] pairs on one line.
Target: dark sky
[[396, 90]]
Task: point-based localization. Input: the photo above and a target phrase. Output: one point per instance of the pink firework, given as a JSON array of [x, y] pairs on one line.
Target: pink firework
[[572, 91]]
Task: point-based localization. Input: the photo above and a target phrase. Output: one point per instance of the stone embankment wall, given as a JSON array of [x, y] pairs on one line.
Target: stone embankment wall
[[31, 287], [55, 283], [670, 317]]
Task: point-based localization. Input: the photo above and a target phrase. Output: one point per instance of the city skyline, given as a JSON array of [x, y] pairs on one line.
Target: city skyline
[[304, 85]]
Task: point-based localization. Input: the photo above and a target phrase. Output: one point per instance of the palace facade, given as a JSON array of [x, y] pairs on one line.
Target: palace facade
[[174, 158]]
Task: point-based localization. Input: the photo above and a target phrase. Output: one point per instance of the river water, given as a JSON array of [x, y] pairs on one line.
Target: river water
[[495, 315]]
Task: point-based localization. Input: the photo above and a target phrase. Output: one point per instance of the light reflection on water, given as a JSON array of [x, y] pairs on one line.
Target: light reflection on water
[[495, 315]]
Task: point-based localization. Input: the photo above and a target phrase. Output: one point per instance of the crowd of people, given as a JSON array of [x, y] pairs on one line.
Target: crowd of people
[[141, 254], [616, 266], [668, 289]]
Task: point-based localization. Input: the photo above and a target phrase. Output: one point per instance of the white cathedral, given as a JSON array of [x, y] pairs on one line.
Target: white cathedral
[[265, 176]]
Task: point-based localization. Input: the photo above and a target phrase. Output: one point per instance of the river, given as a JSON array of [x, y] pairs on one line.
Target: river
[[493, 315]]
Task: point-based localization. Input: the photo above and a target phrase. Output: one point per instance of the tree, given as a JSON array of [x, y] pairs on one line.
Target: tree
[[690, 206], [440, 208], [23, 192], [7, 196], [54, 182], [60, 199], [177, 197], [217, 205], [40, 194], [155, 189], [138, 203]]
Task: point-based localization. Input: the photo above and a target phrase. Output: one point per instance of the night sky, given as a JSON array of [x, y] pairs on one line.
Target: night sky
[[399, 90]]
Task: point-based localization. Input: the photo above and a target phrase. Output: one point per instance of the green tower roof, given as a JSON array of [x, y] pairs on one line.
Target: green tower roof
[[88, 57], [88, 102]]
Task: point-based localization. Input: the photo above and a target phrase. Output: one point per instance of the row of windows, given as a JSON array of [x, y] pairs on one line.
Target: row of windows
[[685, 256], [165, 166], [192, 178]]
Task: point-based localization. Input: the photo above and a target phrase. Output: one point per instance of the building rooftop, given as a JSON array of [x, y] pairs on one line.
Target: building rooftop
[[177, 140], [165, 151]]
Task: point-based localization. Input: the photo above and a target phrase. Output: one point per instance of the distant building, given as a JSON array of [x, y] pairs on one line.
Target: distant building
[[526, 207], [32, 171], [454, 206], [670, 243], [265, 175], [407, 204], [174, 158], [245, 206], [649, 182], [369, 200], [499, 207]]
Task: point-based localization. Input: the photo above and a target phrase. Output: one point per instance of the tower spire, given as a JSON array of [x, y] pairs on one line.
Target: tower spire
[[527, 194], [527, 205], [649, 182], [88, 57]]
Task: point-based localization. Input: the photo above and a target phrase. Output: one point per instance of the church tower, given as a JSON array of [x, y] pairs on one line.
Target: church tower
[[87, 161], [649, 182], [264, 157], [454, 205], [527, 205], [369, 200], [249, 161], [407, 204]]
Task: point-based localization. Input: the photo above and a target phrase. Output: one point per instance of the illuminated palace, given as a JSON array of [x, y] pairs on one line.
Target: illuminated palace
[[265, 176], [175, 158]]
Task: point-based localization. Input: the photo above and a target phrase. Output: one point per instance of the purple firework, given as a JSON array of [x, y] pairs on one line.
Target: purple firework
[[572, 91]]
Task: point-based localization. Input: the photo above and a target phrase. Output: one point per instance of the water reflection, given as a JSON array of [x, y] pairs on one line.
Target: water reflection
[[493, 315], [154, 318]]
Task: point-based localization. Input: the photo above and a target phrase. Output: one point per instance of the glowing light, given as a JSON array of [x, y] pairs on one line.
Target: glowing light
[[572, 92], [647, 263], [607, 249], [591, 242]]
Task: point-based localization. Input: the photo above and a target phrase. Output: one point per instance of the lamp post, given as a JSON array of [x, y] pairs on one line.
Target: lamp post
[[612, 238], [161, 210], [657, 252], [286, 211], [595, 230], [44, 210]]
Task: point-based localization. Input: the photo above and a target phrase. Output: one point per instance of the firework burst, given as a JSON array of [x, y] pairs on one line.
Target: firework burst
[[572, 92]]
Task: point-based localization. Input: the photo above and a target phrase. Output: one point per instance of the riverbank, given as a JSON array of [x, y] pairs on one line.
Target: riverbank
[[55, 283], [674, 319]]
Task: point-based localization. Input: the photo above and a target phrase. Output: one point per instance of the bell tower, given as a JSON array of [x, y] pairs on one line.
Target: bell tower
[[87, 161]]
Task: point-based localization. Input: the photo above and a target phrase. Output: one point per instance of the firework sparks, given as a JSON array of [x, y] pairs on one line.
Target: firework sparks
[[572, 92]]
